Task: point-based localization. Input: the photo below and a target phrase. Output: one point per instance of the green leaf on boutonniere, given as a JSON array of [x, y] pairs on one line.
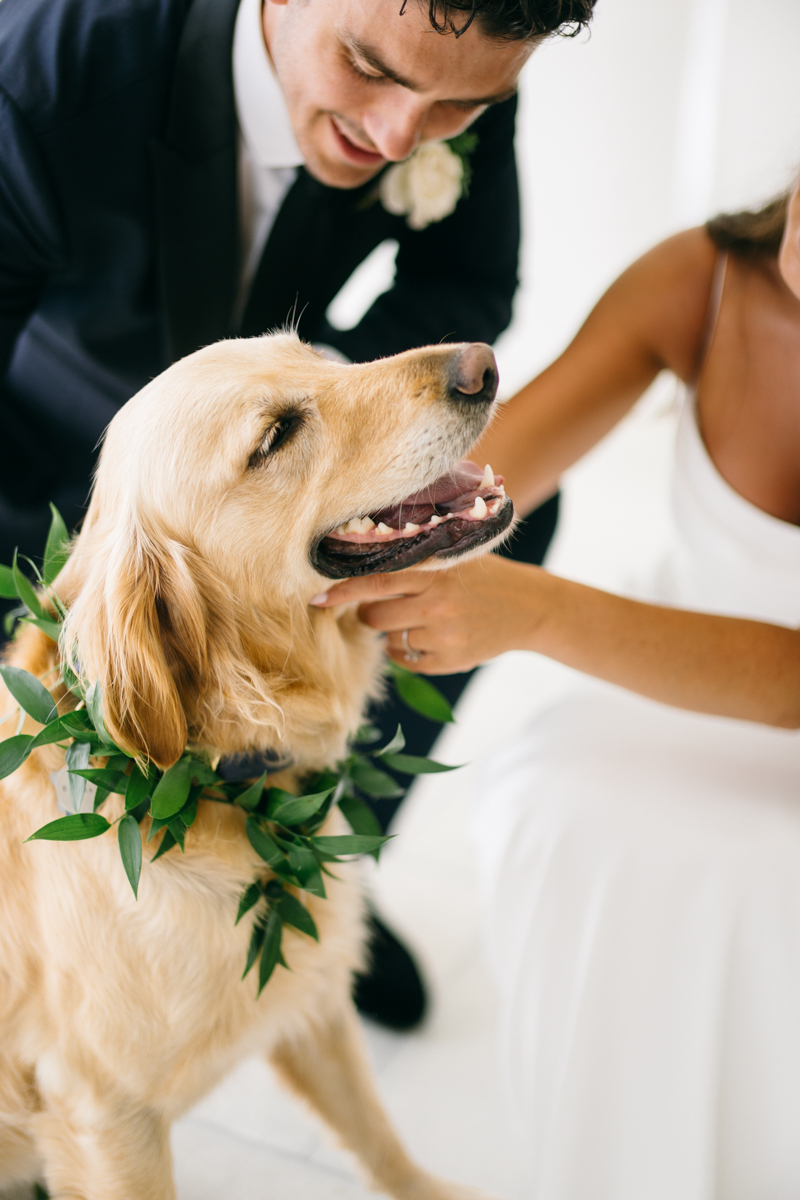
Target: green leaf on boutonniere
[[418, 693], [167, 842], [51, 629], [306, 869], [56, 551], [256, 942], [367, 735], [29, 693], [172, 790], [130, 849], [13, 752], [263, 844], [76, 827]]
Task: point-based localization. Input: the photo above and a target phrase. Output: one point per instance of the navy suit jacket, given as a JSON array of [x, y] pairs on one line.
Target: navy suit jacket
[[119, 247]]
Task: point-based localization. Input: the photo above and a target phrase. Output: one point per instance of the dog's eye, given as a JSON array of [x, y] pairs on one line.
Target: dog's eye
[[276, 436]]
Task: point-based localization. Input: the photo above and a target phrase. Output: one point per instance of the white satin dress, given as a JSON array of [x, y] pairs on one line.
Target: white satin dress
[[642, 869]]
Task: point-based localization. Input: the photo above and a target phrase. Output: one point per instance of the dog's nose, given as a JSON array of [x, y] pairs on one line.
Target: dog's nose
[[473, 374]]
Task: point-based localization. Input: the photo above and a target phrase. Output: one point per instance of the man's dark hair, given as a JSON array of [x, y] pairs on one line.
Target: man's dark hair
[[511, 20]]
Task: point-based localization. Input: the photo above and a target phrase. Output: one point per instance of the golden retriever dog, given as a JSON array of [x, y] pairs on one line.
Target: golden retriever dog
[[229, 491]]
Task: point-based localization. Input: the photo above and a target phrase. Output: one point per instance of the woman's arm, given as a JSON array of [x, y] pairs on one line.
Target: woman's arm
[[652, 317], [473, 612]]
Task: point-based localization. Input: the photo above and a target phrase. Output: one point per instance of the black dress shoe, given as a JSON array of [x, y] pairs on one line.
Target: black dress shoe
[[391, 992]]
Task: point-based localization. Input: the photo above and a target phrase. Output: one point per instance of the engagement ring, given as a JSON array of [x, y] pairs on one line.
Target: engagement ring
[[411, 655]]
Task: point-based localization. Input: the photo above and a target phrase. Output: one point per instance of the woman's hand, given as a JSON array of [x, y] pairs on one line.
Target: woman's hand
[[456, 619]]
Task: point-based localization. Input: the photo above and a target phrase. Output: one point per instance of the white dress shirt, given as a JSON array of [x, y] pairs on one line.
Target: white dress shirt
[[268, 155]]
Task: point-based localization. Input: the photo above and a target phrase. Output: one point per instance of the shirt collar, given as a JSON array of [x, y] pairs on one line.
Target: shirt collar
[[260, 107]]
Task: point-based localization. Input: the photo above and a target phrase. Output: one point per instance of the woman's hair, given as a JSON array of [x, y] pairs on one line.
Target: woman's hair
[[751, 234]]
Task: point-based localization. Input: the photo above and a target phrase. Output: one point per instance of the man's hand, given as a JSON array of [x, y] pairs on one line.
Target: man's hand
[[456, 619]]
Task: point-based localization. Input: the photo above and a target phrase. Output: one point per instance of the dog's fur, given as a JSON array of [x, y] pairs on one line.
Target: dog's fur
[[188, 594]]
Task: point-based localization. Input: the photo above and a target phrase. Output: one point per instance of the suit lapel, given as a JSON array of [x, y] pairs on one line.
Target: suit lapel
[[195, 173], [319, 236]]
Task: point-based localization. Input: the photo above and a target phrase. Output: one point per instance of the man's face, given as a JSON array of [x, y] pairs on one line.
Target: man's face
[[365, 85]]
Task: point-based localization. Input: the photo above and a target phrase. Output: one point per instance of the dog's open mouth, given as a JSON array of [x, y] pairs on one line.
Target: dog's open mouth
[[463, 509]]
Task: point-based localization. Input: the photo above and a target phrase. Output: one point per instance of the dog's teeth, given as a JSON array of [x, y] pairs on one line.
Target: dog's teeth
[[410, 527], [478, 509], [494, 508], [435, 519], [340, 529], [384, 529], [488, 477], [367, 523]]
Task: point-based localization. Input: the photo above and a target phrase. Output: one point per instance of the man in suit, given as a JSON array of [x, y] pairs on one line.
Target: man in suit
[[177, 171]]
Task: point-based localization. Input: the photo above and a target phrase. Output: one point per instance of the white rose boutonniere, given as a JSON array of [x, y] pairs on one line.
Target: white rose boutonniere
[[428, 185]]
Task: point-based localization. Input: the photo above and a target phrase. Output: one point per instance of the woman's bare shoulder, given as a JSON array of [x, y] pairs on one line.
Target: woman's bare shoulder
[[666, 293]]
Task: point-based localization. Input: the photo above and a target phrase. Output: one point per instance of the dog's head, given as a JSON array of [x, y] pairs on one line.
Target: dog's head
[[229, 491]]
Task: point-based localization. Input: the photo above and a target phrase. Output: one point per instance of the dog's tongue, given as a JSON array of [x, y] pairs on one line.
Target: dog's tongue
[[450, 493], [465, 477]]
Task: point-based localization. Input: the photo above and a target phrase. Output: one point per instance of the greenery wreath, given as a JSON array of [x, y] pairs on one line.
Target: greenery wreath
[[282, 827]]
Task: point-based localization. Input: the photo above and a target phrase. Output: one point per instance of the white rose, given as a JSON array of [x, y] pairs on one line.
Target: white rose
[[424, 188]]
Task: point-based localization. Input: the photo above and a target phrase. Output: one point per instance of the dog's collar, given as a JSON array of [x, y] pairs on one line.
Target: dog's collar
[[238, 767]]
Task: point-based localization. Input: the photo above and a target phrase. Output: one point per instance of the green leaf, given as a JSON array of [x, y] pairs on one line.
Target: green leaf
[[271, 949], [77, 758], [306, 869], [299, 809], [56, 551], [178, 830], [410, 764], [29, 693], [263, 844], [296, 914], [11, 618], [359, 815], [26, 593], [248, 899], [40, 1193], [130, 848], [13, 752], [52, 629], [374, 782], [188, 814], [155, 827], [139, 786], [350, 843], [8, 588], [112, 781], [250, 797], [71, 725], [167, 842], [398, 742], [256, 942], [366, 735], [100, 797], [76, 827], [172, 790], [94, 706], [201, 771], [418, 693]]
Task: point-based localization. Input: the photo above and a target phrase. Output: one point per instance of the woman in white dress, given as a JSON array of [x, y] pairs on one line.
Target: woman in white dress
[[642, 841]]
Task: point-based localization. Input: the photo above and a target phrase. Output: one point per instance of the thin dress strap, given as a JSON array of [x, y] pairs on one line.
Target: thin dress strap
[[712, 316]]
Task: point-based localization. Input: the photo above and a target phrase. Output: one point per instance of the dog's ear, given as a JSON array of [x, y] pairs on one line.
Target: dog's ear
[[136, 624]]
